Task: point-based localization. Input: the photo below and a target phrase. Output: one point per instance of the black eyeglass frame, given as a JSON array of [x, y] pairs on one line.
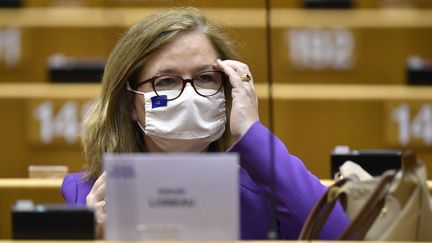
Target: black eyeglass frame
[[188, 80]]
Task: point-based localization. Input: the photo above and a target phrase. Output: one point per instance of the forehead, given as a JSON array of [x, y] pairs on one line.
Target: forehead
[[190, 51]]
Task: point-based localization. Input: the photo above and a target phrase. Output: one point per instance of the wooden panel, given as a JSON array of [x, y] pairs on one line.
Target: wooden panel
[[146, 3], [409, 123], [218, 3], [311, 129], [109, 17], [312, 119], [55, 123], [309, 119], [363, 3], [21, 145], [356, 46], [62, 3], [17, 153], [115, 17], [38, 44]]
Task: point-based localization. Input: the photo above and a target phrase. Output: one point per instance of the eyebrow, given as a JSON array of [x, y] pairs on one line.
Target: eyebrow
[[176, 71], [166, 71], [205, 67]]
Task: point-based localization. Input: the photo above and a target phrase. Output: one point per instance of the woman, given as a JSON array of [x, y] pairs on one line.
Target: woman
[[172, 84]]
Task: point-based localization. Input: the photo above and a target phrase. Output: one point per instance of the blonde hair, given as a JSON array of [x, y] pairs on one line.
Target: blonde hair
[[108, 125]]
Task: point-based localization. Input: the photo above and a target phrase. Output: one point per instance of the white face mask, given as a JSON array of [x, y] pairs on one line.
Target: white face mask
[[187, 124]]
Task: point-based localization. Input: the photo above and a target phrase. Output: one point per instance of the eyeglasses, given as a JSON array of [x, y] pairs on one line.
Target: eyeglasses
[[206, 83]]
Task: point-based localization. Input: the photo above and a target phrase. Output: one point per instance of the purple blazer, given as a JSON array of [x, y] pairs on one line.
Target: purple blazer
[[297, 190]]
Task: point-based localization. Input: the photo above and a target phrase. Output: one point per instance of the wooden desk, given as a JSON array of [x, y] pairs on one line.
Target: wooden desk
[[282, 91], [330, 182], [30, 184], [344, 92], [253, 241], [168, 241], [40, 191]]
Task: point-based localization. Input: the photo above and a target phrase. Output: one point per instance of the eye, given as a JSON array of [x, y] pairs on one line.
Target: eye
[[166, 81], [206, 77]]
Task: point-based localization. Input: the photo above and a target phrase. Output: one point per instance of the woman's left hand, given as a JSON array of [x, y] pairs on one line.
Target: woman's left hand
[[96, 200], [244, 111]]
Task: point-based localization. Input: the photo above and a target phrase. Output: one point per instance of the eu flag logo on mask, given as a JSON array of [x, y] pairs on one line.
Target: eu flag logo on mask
[[159, 101]]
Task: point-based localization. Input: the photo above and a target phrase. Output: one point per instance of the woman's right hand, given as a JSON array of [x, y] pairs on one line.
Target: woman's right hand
[[96, 200], [244, 110]]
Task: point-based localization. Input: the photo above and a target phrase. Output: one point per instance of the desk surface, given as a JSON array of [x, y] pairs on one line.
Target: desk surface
[[280, 91], [330, 182], [30, 183], [256, 241], [47, 191], [56, 183]]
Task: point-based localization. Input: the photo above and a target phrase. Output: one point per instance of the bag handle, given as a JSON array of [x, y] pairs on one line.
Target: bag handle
[[319, 214], [410, 169], [371, 209], [359, 227], [363, 221], [409, 160]]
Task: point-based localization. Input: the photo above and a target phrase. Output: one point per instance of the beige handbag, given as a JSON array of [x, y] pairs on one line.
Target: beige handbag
[[392, 207]]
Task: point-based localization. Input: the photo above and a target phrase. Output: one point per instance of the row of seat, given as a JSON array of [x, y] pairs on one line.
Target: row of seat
[[333, 85], [42, 121], [371, 47], [227, 3]]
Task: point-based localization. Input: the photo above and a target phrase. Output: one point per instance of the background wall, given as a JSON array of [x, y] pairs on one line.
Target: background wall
[[339, 75]]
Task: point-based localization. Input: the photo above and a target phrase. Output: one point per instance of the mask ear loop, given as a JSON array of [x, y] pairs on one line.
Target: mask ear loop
[[142, 128], [128, 88]]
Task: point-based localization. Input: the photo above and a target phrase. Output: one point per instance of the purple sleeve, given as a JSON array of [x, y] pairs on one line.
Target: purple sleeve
[[74, 189], [297, 190]]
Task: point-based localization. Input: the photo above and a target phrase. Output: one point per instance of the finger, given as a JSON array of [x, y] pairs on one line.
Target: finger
[[100, 181], [90, 200], [240, 68], [233, 77], [100, 207], [96, 193], [95, 197], [99, 194], [250, 85], [100, 218], [237, 65]]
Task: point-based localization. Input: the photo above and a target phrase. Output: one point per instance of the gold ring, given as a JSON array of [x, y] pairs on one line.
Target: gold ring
[[245, 77]]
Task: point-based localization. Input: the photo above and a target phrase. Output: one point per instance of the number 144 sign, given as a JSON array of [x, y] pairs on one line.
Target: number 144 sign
[[56, 121], [409, 124]]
